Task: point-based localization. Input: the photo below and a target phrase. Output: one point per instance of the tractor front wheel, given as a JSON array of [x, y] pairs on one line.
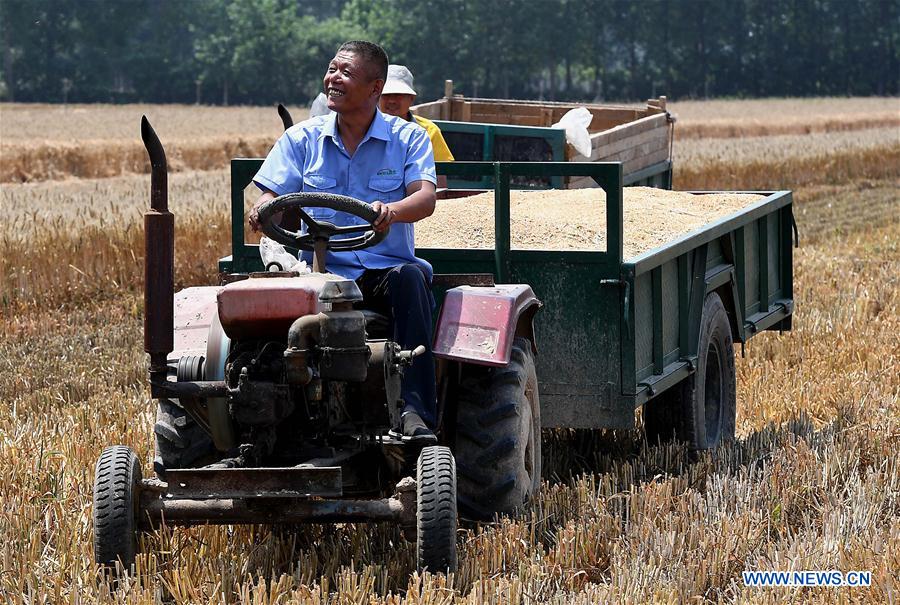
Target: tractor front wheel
[[436, 510], [117, 481]]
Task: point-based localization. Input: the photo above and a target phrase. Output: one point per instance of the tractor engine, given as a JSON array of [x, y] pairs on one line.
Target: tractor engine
[[300, 371]]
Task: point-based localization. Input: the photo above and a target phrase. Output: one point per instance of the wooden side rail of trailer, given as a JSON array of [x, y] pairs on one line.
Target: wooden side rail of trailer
[[479, 129]]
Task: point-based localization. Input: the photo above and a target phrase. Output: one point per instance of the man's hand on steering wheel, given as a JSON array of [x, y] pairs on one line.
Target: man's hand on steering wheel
[[386, 216], [253, 215]]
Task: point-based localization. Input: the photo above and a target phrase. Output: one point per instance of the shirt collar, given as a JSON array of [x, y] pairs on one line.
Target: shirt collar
[[329, 126], [379, 128]]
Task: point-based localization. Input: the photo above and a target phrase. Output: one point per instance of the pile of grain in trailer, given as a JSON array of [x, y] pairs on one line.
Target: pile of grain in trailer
[[575, 219]]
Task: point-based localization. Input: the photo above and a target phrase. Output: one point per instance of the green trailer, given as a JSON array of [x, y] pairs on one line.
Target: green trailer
[[615, 333]]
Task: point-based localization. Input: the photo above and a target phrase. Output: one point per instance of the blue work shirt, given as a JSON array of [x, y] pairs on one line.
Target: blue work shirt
[[310, 156]]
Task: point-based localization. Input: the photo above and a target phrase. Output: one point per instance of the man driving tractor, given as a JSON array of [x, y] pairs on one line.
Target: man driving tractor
[[387, 162]]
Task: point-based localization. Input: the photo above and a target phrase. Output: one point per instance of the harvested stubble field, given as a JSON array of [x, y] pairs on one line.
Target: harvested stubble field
[[813, 480], [766, 117]]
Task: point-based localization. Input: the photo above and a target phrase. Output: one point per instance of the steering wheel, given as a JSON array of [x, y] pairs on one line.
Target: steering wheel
[[321, 231]]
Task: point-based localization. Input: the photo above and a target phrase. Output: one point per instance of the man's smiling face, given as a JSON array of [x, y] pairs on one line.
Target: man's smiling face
[[349, 84]]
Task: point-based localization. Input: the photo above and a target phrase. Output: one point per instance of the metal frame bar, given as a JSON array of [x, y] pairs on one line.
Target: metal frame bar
[[762, 250], [684, 301], [740, 263], [247, 482], [501, 222], [233, 511], [657, 314]]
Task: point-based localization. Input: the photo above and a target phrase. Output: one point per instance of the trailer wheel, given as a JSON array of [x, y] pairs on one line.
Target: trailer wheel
[[436, 510], [180, 441], [498, 435], [662, 415], [117, 480], [701, 410]]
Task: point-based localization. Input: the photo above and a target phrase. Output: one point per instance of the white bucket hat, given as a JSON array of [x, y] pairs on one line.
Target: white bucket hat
[[399, 81]]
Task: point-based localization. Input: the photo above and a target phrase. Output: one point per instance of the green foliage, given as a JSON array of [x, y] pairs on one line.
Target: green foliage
[[262, 51]]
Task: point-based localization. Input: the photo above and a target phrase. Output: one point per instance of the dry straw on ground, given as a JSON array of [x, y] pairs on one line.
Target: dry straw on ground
[[813, 480]]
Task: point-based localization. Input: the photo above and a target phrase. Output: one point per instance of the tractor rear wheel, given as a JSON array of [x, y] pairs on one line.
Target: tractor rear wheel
[[436, 510], [498, 435], [180, 441], [117, 480], [701, 410]]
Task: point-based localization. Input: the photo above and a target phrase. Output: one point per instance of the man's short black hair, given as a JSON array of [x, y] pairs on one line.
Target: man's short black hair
[[372, 54]]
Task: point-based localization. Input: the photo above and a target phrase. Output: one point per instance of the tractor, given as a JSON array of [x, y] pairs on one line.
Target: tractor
[[278, 397]]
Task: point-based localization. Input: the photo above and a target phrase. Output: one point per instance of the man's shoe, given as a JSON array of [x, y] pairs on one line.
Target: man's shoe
[[415, 429]]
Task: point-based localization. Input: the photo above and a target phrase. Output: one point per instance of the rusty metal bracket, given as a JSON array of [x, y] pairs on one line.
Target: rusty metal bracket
[[225, 483], [226, 511], [406, 495]]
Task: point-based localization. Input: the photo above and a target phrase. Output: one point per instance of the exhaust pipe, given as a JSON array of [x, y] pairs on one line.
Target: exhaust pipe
[[159, 259], [285, 115]]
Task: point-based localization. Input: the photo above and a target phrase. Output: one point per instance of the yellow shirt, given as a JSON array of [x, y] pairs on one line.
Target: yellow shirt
[[441, 151]]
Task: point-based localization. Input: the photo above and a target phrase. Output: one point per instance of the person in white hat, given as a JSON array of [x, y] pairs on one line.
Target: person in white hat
[[397, 97]]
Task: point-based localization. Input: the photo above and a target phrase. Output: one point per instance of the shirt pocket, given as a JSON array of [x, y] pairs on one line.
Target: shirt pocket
[[319, 183], [390, 189]]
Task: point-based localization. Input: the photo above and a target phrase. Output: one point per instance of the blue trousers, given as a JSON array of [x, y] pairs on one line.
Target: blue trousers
[[403, 295]]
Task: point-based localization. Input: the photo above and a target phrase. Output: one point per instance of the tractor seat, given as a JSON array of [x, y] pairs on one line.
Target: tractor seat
[[377, 325]]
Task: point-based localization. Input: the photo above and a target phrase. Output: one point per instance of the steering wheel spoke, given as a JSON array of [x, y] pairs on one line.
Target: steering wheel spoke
[[351, 229], [284, 233], [303, 240], [306, 218]]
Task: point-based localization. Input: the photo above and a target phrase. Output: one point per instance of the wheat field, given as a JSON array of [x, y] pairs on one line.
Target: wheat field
[[766, 117], [812, 481]]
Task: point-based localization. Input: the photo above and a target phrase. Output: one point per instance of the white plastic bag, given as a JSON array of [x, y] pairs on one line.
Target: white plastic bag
[[576, 123], [276, 258]]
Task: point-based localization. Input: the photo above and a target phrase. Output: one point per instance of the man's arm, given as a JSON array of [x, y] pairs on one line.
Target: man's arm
[[418, 204], [281, 171]]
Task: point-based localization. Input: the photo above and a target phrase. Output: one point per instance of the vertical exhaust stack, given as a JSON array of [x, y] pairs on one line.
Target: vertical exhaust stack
[[159, 259]]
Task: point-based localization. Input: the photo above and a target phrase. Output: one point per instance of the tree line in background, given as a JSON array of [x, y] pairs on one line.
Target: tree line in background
[[265, 51]]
